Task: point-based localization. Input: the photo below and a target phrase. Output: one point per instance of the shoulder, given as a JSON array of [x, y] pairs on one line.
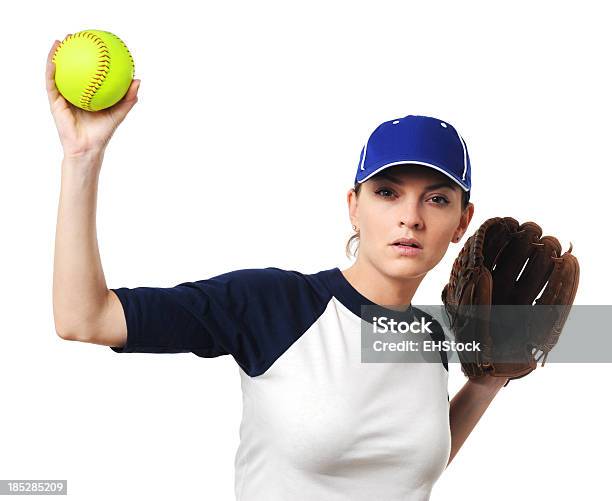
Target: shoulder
[[261, 312], [264, 282]]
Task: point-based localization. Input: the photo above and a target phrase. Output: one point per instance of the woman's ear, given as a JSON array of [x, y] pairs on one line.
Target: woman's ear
[[470, 213], [351, 199], [466, 217]]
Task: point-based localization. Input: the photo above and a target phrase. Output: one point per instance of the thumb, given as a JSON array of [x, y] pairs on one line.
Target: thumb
[[127, 102], [132, 92]]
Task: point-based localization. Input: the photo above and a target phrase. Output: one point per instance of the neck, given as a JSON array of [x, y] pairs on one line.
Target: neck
[[379, 287]]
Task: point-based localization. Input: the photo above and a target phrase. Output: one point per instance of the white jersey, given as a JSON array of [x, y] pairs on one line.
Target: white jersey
[[318, 423]]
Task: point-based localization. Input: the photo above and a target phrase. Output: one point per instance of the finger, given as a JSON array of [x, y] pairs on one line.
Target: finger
[[131, 96], [127, 101], [132, 90], [52, 91], [121, 109]]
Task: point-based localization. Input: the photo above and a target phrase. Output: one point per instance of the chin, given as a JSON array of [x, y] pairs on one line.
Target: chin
[[404, 268]]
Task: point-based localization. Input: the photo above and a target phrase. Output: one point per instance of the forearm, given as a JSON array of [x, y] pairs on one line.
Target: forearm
[[468, 405], [79, 286]]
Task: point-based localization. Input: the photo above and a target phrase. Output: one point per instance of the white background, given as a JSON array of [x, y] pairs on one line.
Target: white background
[[239, 153]]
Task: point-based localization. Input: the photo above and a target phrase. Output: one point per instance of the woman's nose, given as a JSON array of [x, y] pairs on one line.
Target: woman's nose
[[411, 217], [412, 224]]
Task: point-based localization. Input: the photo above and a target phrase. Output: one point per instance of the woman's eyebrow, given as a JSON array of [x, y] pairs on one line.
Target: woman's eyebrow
[[443, 184]]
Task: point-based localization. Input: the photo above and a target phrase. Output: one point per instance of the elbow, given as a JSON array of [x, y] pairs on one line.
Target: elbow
[[71, 333], [72, 327], [77, 322], [60, 329], [63, 327], [63, 333]]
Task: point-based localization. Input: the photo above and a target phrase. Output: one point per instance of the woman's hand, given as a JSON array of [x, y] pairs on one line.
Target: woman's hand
[[83, 132]]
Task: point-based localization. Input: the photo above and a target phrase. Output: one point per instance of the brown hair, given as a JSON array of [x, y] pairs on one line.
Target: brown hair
[[465, 199]]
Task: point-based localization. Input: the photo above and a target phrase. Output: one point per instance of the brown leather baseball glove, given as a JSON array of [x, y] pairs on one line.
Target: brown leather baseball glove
[[504, 263]]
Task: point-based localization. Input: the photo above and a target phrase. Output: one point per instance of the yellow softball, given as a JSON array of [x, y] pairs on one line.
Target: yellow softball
[[93, 69]]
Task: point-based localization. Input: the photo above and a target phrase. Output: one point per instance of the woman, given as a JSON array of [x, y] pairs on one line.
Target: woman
[[317, 422]]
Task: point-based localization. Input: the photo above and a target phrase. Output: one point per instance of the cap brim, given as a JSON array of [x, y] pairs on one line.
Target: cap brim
[[418, 162]]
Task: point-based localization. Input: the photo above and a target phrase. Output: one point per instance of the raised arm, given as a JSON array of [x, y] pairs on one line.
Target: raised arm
[[83, 307]]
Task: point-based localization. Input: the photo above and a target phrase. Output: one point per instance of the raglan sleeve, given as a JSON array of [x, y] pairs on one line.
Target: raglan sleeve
[[228, 314]]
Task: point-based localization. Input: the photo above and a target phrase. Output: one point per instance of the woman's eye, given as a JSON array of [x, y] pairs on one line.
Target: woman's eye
[[382, 192], [444, 202]]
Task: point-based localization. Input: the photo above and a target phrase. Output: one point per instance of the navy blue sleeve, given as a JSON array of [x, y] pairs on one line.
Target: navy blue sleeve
[[251, 314], [437, 334]]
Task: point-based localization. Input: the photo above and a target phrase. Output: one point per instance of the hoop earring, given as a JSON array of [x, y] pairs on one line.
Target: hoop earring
[[354, 228]]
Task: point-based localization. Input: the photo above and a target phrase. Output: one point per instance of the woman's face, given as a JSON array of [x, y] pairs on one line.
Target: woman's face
[[410, 201]]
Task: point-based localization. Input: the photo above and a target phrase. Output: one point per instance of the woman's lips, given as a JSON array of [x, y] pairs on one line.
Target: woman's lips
[[406, 250]]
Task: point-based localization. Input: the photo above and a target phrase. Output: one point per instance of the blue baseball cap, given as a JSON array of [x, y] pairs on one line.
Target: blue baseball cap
[[419, 140]]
